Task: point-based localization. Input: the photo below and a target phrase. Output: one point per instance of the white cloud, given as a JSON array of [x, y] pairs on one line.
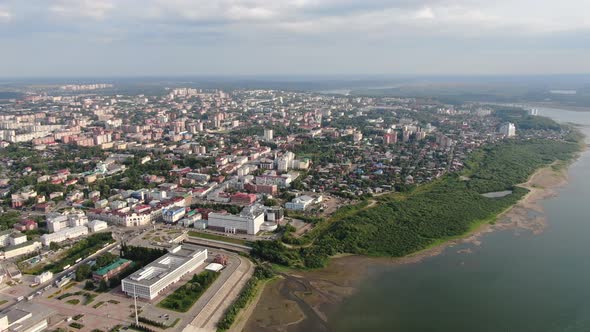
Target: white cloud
[[425, 13], [94, 9], [5, 15]]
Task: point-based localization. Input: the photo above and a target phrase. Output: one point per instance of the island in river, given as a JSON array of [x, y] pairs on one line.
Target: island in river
[[477, 283]]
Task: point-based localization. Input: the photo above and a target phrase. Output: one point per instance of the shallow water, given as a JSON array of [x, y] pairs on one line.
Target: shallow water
[[512, 281]]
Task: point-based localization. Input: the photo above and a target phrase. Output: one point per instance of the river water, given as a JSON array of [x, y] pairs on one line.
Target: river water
[[507, 280], [511, 281]]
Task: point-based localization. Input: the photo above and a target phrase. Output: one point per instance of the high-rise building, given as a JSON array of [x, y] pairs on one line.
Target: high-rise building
[[390, 138], [508, 129], [268, 134]]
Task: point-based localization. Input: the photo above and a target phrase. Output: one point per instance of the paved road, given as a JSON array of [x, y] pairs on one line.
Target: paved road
[[213, 311]]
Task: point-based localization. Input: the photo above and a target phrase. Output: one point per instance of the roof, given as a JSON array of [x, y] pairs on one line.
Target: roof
[[112, 266], [164, 265], [215, 267]]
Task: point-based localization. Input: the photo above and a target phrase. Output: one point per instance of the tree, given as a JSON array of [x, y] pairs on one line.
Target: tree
[[83, 272], [53, 246], [102, 286], [89, 285]]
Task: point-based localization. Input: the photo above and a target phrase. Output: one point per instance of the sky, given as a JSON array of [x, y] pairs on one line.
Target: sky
[[81, 38]]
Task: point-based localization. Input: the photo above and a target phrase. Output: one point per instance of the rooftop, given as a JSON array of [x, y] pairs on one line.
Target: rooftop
[[161, 267], [111, 266]]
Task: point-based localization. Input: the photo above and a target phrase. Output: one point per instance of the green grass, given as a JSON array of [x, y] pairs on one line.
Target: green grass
[[3, 302], [98, 304], [73, 301], [217, 238]]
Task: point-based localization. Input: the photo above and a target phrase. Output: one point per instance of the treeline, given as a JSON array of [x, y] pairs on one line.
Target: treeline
[[260, 273], [81, 249]]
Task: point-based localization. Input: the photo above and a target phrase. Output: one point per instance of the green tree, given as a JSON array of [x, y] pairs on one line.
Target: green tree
[[83, 272]]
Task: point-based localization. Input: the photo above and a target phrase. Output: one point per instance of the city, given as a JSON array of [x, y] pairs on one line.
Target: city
[[145, 208]]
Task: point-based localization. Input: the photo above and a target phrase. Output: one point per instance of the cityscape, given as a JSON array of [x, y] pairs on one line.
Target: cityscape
[[115, 204], [294, 166]]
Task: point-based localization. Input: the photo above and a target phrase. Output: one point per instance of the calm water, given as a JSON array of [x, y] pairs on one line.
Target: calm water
[[511, 282]]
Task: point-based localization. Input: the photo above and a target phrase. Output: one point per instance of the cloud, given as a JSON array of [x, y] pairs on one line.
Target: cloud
[[5, 15], [94, 9]]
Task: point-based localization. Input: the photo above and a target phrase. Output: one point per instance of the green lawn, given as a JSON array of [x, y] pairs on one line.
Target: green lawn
[[217, 237]]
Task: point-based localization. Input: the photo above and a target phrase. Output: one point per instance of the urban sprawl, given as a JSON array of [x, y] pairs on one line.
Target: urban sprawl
[[137, 210]]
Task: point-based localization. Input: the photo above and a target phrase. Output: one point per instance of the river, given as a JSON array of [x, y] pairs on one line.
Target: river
[[507, 280]]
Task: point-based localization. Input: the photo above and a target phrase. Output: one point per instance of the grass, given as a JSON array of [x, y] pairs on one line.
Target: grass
[[97, 305], [77, 317], [113, 301], [73, 301], [70, 285], [76, 325], [217, 238], [183, 298], [3, 302]]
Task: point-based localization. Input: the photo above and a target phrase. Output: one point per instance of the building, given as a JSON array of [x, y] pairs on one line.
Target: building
[[148, 282], [172, 215], [44, 277], [11, 238], [20, 249], [248, 221], [508, 129], [25, 317], [243, 198], [390, 138], [97, 226], [268, 134], [64, 234], [300, 203], [111, 270]]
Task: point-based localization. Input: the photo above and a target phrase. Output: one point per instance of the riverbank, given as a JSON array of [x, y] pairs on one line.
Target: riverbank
[[305, 299]]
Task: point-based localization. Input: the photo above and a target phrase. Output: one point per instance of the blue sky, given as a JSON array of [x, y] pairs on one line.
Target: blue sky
[[288, 37]]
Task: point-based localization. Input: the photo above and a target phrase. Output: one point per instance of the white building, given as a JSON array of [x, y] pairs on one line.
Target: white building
[[508, 129], [248, 221], [20, 249], [148, 282], [268, 134], [300, 203], [64, 234], [44, 277], [172, 215], [97, 226]]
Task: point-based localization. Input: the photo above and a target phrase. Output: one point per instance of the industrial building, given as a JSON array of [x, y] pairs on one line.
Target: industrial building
[[148, 282], [248, 221]]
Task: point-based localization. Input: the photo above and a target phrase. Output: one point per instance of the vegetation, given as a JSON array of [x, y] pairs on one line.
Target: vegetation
[[151, 322], [76, 325], [217, 237], [261, 272], [139, 327], [184, 297], [81, 249], [404, 223], [8, 219]]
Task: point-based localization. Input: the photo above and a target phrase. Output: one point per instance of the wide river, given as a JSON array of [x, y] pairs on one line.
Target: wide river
[[511, 281]]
